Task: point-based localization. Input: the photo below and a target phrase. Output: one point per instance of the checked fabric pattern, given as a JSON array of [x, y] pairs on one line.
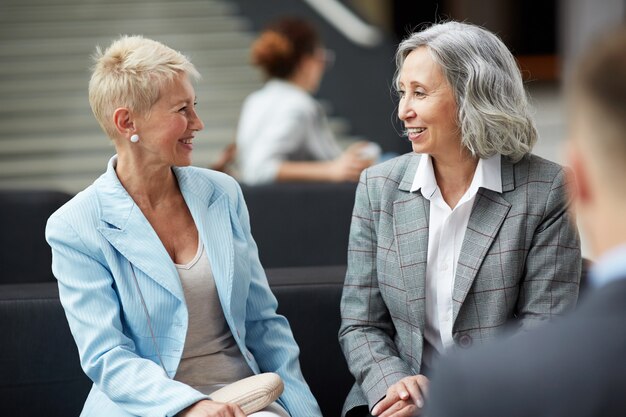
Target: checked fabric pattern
[[520, 261]]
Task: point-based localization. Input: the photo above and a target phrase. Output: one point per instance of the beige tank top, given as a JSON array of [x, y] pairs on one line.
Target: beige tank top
[[211, 357]]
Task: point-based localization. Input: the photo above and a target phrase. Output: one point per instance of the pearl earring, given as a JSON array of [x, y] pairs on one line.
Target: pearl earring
[[134, 138]]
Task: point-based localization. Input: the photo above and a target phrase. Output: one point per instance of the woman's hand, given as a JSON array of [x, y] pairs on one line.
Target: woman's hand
[[405, 398], [349, 165], [206, 408]]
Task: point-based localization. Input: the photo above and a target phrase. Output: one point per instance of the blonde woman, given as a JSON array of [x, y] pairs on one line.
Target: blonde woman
[[158, 273]]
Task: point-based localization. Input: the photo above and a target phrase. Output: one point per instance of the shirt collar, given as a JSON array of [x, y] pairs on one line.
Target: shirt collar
[[425, 177], [487, 175], [610, 267]]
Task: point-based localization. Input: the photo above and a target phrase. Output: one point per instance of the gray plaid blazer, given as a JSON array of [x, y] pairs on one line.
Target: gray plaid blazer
[[520, 260]]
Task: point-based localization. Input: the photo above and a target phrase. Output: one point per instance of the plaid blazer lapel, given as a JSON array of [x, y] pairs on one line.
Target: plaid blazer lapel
[[410, 223], [489, 211]]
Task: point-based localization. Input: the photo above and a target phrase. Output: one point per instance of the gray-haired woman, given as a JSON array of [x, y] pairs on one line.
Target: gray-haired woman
[[459, 238]]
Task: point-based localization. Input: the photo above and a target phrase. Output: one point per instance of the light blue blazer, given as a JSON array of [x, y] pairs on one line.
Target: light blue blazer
[[100, 238]]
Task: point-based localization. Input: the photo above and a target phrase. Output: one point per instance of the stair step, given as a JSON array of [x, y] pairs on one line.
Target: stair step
[[71, 183], [81, 64], [84, 172], [94, 140], [71, 102], [80, 3], [210, 81], [46, 124], [20, 84], [80, 159], [86, 45], [141, 10], [150, 27]]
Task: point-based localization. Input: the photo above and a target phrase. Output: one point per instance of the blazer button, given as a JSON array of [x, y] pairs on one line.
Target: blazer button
[[465, 341], [249, 355]]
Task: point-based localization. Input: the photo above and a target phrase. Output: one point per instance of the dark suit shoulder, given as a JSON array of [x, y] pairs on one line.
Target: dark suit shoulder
[[571, 367]]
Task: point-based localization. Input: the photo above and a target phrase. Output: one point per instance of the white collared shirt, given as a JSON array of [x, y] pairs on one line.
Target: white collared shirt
[[446, 230]]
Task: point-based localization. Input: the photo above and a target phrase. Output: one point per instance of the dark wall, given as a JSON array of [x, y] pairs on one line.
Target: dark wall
[[531, 25], [409, 15], [358, 85]]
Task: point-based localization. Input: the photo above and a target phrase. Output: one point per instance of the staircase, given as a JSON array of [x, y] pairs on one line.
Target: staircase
[[49, 138]]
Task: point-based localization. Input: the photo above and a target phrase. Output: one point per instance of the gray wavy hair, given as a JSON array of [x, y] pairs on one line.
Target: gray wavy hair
[[493, 109]]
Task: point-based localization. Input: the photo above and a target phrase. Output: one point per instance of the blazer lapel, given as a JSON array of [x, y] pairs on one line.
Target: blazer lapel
[[211, 213], [489, 211], [132, 235], [411, 217]]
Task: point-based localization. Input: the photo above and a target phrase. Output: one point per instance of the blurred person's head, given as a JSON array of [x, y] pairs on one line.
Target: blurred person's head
[[290, 49], [597, 129], [131, 73], [469, 73]]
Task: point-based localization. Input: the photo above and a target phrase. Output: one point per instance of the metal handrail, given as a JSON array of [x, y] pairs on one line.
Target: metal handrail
[[346, 22]]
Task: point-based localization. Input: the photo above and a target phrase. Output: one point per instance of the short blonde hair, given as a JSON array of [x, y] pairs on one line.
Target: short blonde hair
[[131, 73]]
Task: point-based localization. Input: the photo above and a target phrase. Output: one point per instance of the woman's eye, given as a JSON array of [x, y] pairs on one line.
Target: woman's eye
[[400, 93], [419, 94]]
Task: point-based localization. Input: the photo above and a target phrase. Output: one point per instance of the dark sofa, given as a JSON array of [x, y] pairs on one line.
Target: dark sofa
[[41, 374], [24, 254], [39, 366], [301, 224]]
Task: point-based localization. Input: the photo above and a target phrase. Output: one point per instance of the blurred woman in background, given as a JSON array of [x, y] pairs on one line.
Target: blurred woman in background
[[283, 134]]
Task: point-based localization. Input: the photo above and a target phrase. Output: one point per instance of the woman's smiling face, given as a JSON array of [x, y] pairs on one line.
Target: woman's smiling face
[[427, 105], [167, 131]]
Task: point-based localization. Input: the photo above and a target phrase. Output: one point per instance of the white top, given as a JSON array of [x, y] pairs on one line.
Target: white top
[[210, 356], [446, 230], [281, 122]]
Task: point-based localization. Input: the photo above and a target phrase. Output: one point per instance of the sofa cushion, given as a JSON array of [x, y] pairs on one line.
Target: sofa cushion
[[41, 373], [301, 224], [25, 255], [309, 298]]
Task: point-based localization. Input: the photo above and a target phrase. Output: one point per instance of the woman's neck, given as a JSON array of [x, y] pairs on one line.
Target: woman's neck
[[299, 80], [454, 175], [148, 185]]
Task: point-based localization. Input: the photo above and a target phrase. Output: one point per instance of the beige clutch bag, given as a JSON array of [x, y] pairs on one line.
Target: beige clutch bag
[[251, 394]]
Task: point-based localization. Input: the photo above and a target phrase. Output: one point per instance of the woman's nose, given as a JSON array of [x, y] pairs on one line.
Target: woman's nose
[[195, 122], [405, 111]]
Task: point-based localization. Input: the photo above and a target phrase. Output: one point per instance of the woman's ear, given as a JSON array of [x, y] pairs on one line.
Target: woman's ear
[[123, 121]]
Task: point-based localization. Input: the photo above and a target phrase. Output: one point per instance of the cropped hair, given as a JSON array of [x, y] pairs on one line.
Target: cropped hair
[[282, 45], [131, 73], [493, 110]]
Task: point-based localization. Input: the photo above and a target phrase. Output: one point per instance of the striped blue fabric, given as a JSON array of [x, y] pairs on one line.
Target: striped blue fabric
[[100, 240]]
